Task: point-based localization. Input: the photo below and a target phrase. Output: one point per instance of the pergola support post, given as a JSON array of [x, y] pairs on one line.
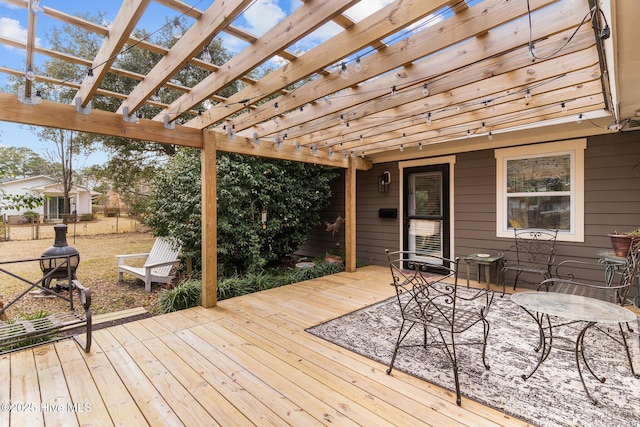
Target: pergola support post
[[209, 222], [350, 216]]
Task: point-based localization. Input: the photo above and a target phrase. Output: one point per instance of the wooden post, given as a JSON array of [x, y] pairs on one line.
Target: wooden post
[[209, 222], [350, 216]]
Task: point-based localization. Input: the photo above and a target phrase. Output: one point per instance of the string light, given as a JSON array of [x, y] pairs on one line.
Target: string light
[[563, 106], [484, 126], [429, 119], [30, 75], [394, 92], [35, 6], [344, 73], [176, 31], [532, 50], [206, 55], [90, 79], [425, 90], [527, 95], [579, 118], [276, 108], [358, 66], [401, 147], [419, 145], [468, 133], [156, 97], [490, 136]]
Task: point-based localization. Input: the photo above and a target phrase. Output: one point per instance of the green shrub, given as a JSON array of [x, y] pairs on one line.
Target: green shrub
[[290, 194], [86, 217], [189, 294], [184, 295], [31, 216]]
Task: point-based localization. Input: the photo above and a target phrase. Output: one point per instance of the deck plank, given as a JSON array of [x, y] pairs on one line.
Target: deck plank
[[82, 389], [25, 391], [57, 406]]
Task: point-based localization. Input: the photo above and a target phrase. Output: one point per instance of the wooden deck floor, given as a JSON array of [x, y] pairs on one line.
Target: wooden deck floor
[[246, 362]]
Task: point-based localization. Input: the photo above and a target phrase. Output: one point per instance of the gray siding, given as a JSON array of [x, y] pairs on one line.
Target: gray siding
[[612, 202]]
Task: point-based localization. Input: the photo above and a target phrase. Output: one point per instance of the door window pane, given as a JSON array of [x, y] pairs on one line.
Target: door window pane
[[426, 197]]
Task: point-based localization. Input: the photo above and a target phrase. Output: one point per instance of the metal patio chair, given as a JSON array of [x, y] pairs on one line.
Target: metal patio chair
[[428, 297], [603, 287], [535, 252]]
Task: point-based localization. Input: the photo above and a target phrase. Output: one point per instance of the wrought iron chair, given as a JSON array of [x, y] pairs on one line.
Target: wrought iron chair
[[535, 251], [428, 297], [604, 288]]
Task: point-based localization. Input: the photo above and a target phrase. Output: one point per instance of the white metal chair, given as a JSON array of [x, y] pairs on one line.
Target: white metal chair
[[157, 266]]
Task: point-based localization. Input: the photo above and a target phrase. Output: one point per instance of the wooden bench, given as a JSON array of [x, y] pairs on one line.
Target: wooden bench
[[21, 334]]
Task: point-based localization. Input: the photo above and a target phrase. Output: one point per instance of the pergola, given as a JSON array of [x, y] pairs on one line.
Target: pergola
[[416, 76]]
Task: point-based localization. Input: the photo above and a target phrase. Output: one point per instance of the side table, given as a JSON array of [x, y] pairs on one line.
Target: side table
[[485, 262]]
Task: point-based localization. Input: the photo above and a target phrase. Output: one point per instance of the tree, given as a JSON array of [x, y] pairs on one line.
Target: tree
[[21, 162], [286, 195]]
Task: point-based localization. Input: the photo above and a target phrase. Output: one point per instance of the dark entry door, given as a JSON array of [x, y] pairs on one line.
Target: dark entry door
[[426, 210]]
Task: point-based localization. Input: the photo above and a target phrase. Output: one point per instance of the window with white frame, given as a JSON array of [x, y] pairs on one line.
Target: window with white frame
[[541, 186]]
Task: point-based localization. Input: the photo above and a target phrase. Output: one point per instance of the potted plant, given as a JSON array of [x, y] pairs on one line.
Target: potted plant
[[622, 241]]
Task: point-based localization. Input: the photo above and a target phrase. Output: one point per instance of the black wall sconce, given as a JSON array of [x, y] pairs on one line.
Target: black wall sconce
[[383, 182]]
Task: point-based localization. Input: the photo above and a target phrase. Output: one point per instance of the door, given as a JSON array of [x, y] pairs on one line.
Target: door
[[426, 211]]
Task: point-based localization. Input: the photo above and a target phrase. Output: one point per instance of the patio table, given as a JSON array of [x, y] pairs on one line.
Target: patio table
[[572, 308]]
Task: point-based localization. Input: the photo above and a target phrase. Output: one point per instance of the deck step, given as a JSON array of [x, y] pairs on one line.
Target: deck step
[[119, 315]]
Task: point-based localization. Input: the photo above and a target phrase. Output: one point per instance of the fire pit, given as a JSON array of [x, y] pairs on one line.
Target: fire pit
[[60, 258]]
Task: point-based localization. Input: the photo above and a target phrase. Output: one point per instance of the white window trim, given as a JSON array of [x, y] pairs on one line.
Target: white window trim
[[576, 147]]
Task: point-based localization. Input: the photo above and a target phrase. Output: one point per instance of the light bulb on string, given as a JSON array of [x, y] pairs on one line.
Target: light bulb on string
[[206, 55], [563, 107], [425, 90], [420, 146], [176, 31], [468, 133], [394, 92], [429, 119], [344, 73], [90, 79], [358, 66], [490, 136], [35, 6], [156, 96], [30, 75], [401, 147], [579, 119], [527, 95]]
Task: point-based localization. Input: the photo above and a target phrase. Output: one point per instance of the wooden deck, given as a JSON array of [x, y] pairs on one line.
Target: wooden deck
[[246, 362]]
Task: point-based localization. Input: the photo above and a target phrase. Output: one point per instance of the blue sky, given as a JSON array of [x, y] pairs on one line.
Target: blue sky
[[261, 16]]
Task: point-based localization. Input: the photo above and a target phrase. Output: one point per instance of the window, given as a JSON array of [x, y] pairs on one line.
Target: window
[[541, 186]]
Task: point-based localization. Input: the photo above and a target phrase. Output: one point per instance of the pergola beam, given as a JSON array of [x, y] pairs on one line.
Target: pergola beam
[[64, 116]]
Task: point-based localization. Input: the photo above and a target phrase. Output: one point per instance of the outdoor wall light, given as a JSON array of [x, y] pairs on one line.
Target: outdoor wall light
[[383, 182]]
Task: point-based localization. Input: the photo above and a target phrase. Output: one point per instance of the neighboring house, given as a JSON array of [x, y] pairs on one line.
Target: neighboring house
[[468, 201], [51, 189]]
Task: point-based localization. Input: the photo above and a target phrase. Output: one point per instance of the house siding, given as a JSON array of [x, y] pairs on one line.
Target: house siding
[[612, 202]]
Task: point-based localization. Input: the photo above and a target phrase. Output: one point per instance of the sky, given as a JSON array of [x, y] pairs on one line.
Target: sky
[[261, 15]]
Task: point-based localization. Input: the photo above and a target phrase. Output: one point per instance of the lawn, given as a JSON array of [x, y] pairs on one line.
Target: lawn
[[97, 269]]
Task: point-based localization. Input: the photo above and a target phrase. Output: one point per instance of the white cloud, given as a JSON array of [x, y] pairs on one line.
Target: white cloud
[[11, 29], [366, 8], [263, 15]]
